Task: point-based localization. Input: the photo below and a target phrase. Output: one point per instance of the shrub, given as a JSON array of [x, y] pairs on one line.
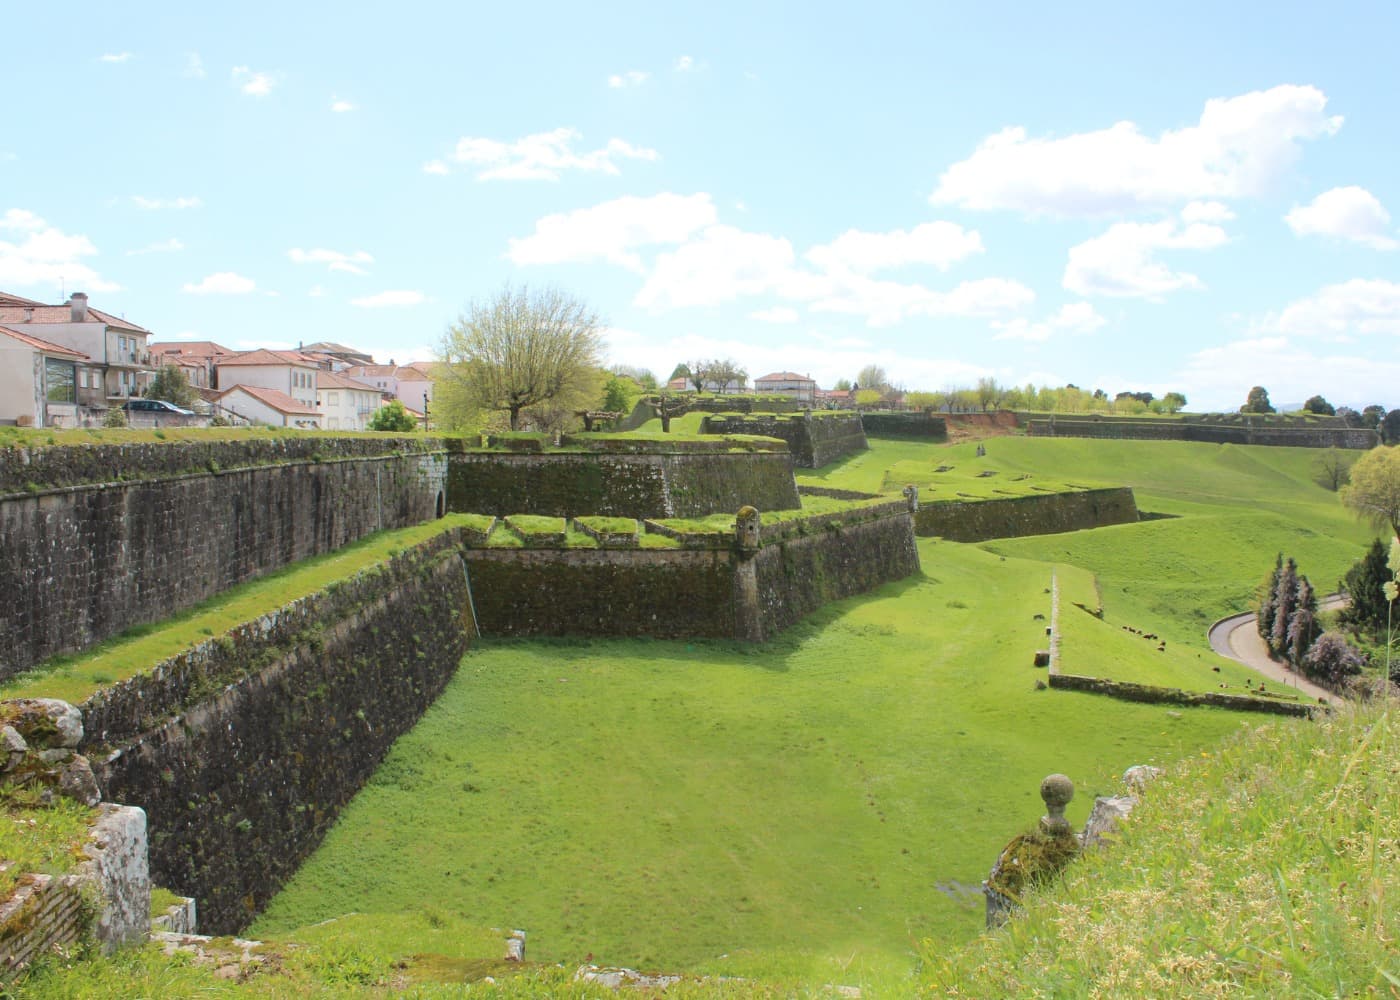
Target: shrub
[[115, 417], [1332, 659]]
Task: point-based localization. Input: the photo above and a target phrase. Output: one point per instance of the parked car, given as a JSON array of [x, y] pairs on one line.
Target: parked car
[[156, 406]]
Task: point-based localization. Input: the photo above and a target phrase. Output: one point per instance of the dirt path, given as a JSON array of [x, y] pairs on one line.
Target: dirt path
[[1238, 638]]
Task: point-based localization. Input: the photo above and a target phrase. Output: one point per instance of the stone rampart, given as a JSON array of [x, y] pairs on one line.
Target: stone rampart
[[1045, 514], [921, 426], [1301, 435], [85, 561], [814, 440], [243, 750], [665, 482]]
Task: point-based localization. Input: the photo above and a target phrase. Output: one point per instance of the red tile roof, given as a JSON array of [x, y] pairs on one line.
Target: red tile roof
[[266, 357], [8, 299], [370, 371], [786, 377], [10, 313], [111, 320], [191, 348], [43, 345], [334, 380], [279, 401]]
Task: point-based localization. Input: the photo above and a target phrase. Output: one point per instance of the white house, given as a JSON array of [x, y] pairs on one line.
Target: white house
[[196, 358], [119, 362], [283, 371], [406, 383], [802, 388], [255, 404], [345, 404], [39, 380]]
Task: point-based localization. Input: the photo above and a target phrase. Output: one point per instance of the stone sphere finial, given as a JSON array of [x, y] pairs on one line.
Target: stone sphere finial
[[1056, 790]]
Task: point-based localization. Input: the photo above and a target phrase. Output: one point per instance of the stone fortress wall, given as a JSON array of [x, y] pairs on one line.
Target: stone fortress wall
[[814, 439], [1234, 428]]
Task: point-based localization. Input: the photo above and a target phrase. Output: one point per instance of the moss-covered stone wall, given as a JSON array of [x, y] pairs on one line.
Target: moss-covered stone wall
[[243, 750], [814, 440], [978, 520], [664, 483], [920, 426], [83, 562]]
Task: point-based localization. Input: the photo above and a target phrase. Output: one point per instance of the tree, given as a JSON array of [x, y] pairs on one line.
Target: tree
[[989, 393], [172, 385], [1332, 469], [1374, 490], [1268, 601], [723, 371], [1257, 401], [1285, 600], [1372, 416], [668, 405], [619, 394], [393, 416], [522, 348], [698, 373], [642, 376], [1320, 406], [843, 385], [1331, 660], [681, 370], [868, 397], [1390, 427], [873, 377], [1349, 416], [1302, 623], [1368, 610]]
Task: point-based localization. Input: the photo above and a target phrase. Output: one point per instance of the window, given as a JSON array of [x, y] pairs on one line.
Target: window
[[60, 380], [332, 399]]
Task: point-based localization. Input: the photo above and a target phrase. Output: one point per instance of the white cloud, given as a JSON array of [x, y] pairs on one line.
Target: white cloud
[[632, 78], [222, 283], [778, 314], [334, 259], [254, 84], [340, 105], [1220, 377], [1076, 317], [1237, 149], [171, 245], [194, 66], [436, 167], [542, 156], [609, 231], [6, 156], [156, 204], [884, 303], [1345, 213], [684, 64], [723, 264], [114, 57], [316, 292], [1358, 306], [940, 244], [44, 255], [391, 298], [1207, 211], [1121, 262]]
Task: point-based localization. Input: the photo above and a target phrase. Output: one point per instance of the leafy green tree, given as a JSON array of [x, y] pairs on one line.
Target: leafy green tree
[[681, 370], [868, 397], [989, 393], [1320, 406], [1368, 610], [1372, 416], [1332, 659], [619, 394], [1285, 600], [1390, 427], [1268, 601], [1332, 469], [523, 348], [393, 416], [1302, 623], [1173, 402], [843, 385], [172, 385], [1257, 401], [872, 377], [1352, 418], [1374, 490]]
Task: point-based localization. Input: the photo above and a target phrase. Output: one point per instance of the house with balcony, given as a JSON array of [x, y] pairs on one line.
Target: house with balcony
[[344, 404], [118, 363], [802, 388]]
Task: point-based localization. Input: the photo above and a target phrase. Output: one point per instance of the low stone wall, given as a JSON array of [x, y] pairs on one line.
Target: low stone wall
[[666, 482], [243, 750], [1293, 436], [84, 562], [1014, 517], [814, 440], [1128, 691], [921, 426]]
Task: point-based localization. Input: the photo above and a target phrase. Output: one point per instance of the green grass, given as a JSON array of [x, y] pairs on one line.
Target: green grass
[[1266, 869], [30, 437], [43, 840], [75, 677], [780, 811], [610, 525]]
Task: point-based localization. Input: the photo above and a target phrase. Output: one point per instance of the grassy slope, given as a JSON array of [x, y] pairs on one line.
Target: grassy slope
[[789, 809]]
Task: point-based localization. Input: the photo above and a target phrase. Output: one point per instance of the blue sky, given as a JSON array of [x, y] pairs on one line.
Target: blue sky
[[1196, 197]]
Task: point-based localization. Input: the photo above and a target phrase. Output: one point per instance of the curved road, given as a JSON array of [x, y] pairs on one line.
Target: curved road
[[1238, 638]]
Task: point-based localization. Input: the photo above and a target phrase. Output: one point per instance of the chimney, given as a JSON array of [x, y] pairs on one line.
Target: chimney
[[79, 304]]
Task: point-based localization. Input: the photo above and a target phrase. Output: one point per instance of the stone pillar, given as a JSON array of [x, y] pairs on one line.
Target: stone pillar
[[911, 493], [1032, 858], [748, 614]]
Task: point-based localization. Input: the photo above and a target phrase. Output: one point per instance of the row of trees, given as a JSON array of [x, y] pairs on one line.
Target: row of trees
[[1288, 612]]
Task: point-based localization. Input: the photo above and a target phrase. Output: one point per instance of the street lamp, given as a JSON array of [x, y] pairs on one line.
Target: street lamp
[[425, 410]]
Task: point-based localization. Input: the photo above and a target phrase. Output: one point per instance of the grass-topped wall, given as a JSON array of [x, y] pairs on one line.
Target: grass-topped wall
[[815, 439], [1015, 517], [625, 477], [1231, 428], [919, 426], [142, 530]]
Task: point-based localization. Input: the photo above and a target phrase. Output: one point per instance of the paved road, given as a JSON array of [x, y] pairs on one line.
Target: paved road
[[1238, 638]]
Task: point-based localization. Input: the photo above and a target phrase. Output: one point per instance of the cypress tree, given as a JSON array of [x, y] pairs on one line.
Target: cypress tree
[[1285, 599], [1302, 623], [1267, 601], [1363, 584]]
